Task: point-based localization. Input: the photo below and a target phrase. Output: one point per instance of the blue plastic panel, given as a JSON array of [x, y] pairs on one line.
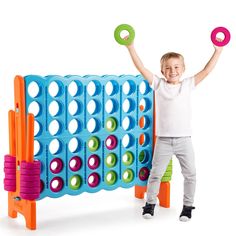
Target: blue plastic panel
[[66, 110]]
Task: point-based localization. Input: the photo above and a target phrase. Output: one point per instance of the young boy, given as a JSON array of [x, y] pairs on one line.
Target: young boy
[[173, 124]]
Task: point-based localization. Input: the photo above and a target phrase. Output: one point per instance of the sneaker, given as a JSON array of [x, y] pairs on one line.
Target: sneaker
[[186, 213], [148, 210]]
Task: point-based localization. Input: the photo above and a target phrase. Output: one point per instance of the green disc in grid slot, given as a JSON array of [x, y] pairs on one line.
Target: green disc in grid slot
[[93, 143], [111, 160], [111, 177], [75, 182], [111, 124], [128, 158], [128, 176]]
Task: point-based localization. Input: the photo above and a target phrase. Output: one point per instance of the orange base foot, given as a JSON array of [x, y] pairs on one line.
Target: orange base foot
[[164, 193]]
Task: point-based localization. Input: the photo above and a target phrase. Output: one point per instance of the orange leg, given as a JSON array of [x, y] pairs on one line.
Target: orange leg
[[164, 193]]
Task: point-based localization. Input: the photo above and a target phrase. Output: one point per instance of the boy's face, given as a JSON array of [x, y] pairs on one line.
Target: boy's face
[[173, 69]]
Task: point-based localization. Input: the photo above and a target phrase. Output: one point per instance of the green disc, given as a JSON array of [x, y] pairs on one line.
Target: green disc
[[120, 40]]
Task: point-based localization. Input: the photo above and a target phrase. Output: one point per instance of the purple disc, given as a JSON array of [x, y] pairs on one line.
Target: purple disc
[[58, 187], [93, 162], [59, 165], [30, 190], [77, 163], [30, 165], [143, 173], [9, 158], [9, 170], [95, 180], [10, 188], [11, 182], [29, 178], [226, 39], [111, 142], [27, 196]]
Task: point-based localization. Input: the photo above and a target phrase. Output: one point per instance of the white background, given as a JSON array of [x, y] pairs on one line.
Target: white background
[[76, 37]]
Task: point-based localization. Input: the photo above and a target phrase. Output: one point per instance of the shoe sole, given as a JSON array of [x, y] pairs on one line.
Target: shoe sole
[[147, 216], [184, 219]]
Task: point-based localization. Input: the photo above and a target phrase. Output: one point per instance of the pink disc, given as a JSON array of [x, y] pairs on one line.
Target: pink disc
[[10, 188], [10, 165], [143, 173], [111, 142], [30, 165], [10, 176], [27, 196], [9, 170], [75, 163], [29, 178], [30, 172], [93, 180], [226, 39], [30, 190], [58, 165], [10, 159], [56, 184], [93, 162], [9, 182]]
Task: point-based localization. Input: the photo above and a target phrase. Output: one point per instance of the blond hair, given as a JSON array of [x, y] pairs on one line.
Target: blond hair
[[169, 55]]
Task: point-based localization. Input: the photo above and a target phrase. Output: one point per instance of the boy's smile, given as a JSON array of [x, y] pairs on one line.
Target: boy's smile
[[173, 69]]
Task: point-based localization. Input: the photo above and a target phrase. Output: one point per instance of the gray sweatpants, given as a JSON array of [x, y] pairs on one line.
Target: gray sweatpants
[[165, 148]]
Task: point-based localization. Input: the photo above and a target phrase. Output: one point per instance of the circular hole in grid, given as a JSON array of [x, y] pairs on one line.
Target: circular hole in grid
[[75, 88], [56, 165], [128, 87], [111, 87], [75, 163], [144, 87], [33, 89], [54, 146], [93, 125], [74, 107], [144, 122], [74, 126], [53, 89], [127, 141], [74, 145], [128, 105], [143, 156], [93, 88], [144, 139], [54, 127], [37, 147], [34, 108], [128, 123], [111, 106], [144, 104], [37, 128], [54, 108], [93, 107]]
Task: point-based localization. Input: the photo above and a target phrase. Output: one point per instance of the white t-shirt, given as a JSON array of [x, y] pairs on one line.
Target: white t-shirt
[[173, 107]]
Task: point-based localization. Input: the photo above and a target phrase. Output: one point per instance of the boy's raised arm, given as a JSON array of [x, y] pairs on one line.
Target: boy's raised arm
[[148, 75], [209, 66]]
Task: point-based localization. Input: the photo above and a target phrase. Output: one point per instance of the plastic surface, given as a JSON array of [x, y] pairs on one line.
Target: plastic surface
[[71, 115]]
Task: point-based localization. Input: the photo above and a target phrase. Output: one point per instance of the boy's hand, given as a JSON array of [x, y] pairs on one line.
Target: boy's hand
[[130, 45], [218, 49]]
